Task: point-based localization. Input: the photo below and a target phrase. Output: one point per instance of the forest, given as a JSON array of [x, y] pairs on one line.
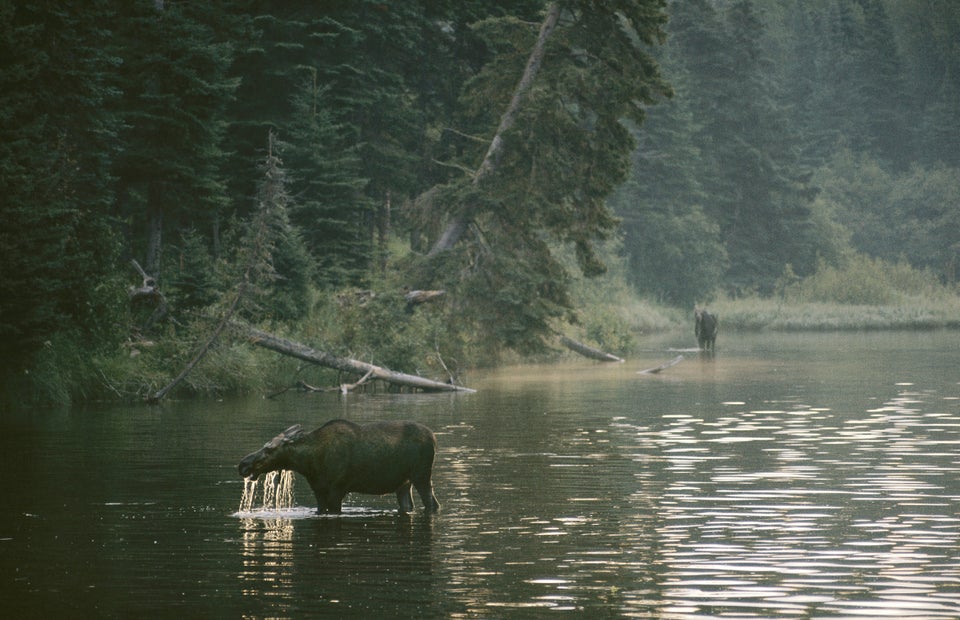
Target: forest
[[526, 168]]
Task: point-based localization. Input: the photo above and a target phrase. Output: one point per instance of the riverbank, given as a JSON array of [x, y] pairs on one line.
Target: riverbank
[[424, 343]]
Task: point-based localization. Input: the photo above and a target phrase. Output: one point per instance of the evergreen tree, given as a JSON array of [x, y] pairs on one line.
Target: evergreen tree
[[759, 195], [277, 268], [57, 142], [564, 153], [887, 108], [928, 31], [674, 249], [175, 88], [325, 172]]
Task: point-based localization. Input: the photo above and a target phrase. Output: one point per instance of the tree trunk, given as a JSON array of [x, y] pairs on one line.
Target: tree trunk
[[460, 221], [383, 232], [307, 354], [154, 236], [584, 350]]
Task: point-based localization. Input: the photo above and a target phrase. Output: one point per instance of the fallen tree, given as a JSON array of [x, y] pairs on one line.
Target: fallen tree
[[322, 358], [586, 351]]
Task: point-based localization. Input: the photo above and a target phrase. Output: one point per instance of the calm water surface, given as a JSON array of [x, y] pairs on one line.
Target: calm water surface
[[793, 476]]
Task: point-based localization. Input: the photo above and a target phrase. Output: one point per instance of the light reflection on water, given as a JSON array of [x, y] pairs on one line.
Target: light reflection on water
[[822, 516]]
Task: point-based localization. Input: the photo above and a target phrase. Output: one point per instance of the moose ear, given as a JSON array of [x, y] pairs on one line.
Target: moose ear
[[291, 433]]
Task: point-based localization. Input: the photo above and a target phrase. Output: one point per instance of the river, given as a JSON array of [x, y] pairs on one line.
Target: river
[[789, 475]]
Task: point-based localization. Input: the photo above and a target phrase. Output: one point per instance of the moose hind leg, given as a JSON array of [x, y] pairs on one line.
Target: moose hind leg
[[425, 489], [405, 497]]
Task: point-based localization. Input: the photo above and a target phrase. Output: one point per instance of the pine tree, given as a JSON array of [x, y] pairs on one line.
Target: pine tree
[[57, 142], [175, 89], [325, 176]]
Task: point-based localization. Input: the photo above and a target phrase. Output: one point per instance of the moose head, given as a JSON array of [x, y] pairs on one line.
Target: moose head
[[272, 456]]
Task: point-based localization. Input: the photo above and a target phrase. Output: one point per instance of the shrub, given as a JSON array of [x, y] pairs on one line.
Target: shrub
[[861, 281]]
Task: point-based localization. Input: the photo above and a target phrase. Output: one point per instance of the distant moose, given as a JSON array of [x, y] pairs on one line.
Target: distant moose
[[342, 457], [705, 328]]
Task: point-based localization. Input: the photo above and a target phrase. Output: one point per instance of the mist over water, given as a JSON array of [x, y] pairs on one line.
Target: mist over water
[[788, 476]]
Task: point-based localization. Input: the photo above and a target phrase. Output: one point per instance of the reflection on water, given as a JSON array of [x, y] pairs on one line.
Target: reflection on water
[[811, 514], [268, 560], [788, 476]]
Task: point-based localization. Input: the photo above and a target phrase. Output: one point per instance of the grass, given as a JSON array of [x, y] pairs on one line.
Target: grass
[[755, 313]]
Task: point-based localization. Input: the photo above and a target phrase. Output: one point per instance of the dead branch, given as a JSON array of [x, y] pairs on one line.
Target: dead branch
[[584, 350], [664, 366]]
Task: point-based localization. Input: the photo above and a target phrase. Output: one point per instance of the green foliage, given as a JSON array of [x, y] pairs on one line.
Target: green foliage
[[194, 282], [175, 87], [565, 151], [810, 149], [609, 314], [910, 215], [325, 171], [57, 246], [274, 267], [754, 313], [864, 281]]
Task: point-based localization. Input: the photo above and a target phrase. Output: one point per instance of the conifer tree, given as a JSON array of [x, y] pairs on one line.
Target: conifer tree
[[547, 172], [175, 89], [57, 142]]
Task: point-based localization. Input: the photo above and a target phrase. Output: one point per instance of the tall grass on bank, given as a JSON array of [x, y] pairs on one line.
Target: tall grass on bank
[[609, 312], [863, 294]]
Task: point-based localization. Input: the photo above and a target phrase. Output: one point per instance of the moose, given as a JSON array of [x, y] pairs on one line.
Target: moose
[[342, 457], [705, 328]]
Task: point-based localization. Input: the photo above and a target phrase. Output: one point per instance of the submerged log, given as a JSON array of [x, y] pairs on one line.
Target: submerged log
[[584, 350], [308, 354], [664, 366]]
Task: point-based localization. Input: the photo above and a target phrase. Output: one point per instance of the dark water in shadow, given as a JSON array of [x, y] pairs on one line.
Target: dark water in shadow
[[797, 476]]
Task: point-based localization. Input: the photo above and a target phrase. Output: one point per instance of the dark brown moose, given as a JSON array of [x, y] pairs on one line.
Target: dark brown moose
[[705, 329], [342, 457]]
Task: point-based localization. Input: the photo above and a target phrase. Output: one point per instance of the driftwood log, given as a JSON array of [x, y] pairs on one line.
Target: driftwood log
[[664, 366], [368, 371], [584, 350]]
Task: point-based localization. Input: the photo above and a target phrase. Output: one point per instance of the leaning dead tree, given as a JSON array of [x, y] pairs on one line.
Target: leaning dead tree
[[458, 223], [273, 197], [586, 351], [322, 358]]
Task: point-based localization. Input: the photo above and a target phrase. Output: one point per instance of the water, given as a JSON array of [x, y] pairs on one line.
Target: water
[[795, 476]]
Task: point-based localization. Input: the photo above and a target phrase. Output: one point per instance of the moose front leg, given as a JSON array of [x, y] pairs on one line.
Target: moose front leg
[[329, 501], [405, 497]]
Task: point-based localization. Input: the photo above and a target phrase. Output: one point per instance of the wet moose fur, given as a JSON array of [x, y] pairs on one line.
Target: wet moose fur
[[342, 457]]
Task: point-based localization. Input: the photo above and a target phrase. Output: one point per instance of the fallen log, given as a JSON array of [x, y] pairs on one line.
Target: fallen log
[[322, 358], [664, 366], [584, 350]]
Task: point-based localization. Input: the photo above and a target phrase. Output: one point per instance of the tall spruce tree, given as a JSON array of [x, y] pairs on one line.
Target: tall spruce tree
[[674, 250], [175, 89], [57, 142]]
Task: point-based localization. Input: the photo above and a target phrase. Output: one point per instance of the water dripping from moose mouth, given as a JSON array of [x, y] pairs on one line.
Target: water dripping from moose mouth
[[275, 495]]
